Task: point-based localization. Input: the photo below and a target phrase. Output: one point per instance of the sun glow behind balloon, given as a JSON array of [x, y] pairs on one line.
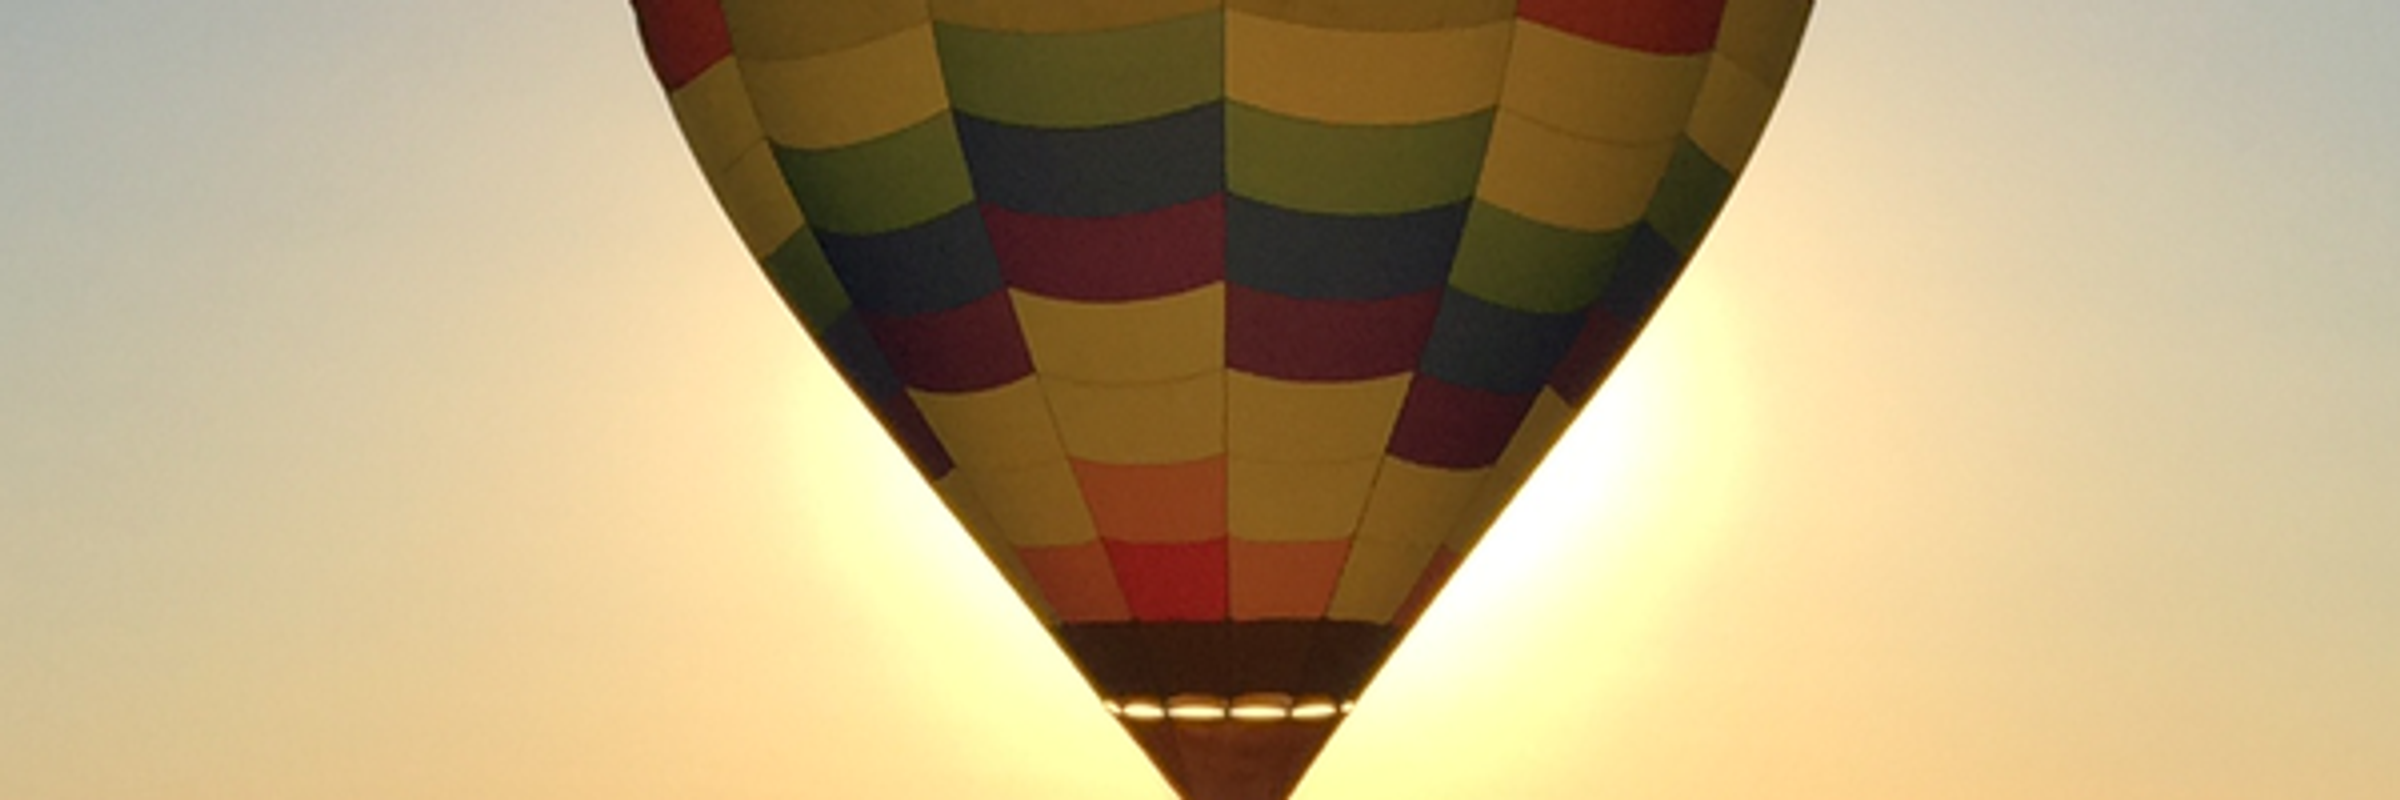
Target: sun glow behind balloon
[[1543, 629]]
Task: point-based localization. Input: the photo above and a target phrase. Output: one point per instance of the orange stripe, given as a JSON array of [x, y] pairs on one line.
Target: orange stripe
[[1078, 581], [1285, 580], [1156, 504]]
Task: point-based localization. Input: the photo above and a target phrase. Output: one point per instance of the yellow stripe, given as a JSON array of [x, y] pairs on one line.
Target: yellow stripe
[[1764, 36], [1125, 341], [1353, 77], [1297, 502], [1034, 506], [1167, 422], [1377, 580], [1416, 504], [1004, 427], [964, 504], [1054, 16], [788, 29], [849, 96], [758, 201], [1731, 115], [715, 114], [1549, 176], [1600, 91], [1292, 421]]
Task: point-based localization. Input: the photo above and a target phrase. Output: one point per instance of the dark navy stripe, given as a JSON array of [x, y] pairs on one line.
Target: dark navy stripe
[[1314, 256], [1645, 272], [1479, 344], [853, 350], [1097, 172], [942, 264]]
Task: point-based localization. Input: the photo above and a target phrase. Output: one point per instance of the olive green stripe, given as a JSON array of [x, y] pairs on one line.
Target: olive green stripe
[[1529, 266], [1689, 196], [800, 273], [1081, 80], [1305, 165], [1380, 15], [882, 184]]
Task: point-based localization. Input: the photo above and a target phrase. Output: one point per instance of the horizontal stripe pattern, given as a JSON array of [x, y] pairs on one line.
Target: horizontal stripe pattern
[[1224, 324]]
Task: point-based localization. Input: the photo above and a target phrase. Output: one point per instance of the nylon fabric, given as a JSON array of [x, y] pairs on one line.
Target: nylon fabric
[[1226, 329]]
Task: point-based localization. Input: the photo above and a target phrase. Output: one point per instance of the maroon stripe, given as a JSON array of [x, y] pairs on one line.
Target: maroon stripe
[[970, 348], [1326, 340], [1656, 26], [1597, 348], [1151, 254], [683, 37], [1457, 427], [1172, 582]]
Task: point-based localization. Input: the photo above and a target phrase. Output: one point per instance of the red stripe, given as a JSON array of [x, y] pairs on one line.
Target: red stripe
[[970, 348], [683, 37], [1326, 340], [1457, 427], [1151, 254], [1172, 582], [1597, 349], [1656, 26]]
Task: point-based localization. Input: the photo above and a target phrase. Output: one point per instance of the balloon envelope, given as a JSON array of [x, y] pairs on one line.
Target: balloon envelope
[[1225, 327]]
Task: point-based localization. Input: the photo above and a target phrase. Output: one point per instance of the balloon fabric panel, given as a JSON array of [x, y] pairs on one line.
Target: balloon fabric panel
[[1313, 256], [1226, 328], [1134, 341], [1084, 80], [1306, 501], [1145, 254], [1033, 505]]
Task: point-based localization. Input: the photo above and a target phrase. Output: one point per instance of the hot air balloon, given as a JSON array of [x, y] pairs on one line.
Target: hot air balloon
[[1225, 327]]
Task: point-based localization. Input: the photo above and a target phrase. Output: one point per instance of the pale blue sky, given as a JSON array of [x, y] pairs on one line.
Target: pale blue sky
[[385, 412]]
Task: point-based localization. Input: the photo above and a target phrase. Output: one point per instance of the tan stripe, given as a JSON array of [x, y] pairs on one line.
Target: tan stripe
[[1290, 421], [1366, 78], [1597, 90], [1764, 36], [966, 506], [1125, 341], [1004, 427], [1297, 502], [715, 114], [1034, 506], [1416, 504], [758, 201], [1377, 580], [1731, 115], [1547, 175], [849, 96], [1166, 422]]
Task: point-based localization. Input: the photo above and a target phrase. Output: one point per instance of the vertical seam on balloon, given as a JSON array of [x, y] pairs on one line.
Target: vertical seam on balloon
[[1225, 279], [1508, 58], [1049, 408]]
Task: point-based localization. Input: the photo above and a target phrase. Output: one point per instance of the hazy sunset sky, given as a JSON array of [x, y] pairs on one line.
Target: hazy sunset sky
[[386, 412]]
